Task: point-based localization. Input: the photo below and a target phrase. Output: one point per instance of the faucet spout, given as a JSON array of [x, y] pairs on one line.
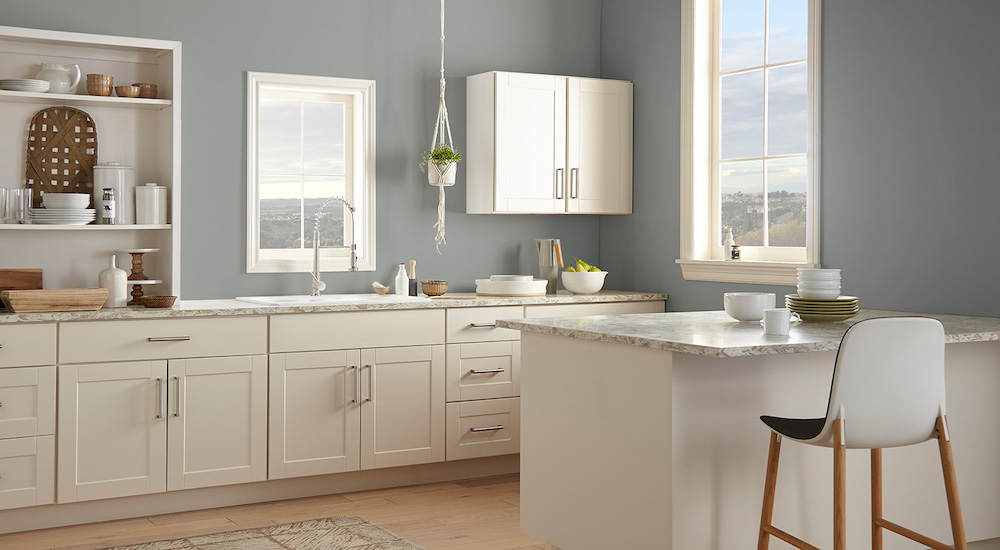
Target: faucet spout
[[318, 285]]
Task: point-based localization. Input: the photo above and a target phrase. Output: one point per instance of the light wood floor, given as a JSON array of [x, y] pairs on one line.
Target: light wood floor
[[477, 514]]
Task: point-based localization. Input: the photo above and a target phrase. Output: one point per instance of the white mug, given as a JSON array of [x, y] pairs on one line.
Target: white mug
[[778, 321]]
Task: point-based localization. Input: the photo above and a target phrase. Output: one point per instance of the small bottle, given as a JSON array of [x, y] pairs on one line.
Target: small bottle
[[108, 206], [402, 282], [727, 246], [734, 253]]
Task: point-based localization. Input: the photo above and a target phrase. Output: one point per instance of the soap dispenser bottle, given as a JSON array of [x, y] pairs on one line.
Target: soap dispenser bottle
[[402, 282]]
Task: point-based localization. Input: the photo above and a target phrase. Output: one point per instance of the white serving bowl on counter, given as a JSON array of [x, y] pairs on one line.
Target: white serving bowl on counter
[[583, 282], [813, 293], [747, 306]]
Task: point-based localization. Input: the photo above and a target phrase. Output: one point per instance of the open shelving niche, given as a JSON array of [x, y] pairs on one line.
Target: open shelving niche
[[143, 133]]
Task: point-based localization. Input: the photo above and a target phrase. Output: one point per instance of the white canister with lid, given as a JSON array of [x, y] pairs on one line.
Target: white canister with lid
[[151, 204], [121, 178]]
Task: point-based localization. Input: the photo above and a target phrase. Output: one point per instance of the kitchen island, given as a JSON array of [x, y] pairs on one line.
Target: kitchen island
[[642, 431]]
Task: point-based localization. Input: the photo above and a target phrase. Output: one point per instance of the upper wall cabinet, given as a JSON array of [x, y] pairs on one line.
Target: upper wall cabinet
[[543, 144]]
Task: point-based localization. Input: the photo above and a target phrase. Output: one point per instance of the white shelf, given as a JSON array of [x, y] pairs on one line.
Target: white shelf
[[76, 99], [40, 227]]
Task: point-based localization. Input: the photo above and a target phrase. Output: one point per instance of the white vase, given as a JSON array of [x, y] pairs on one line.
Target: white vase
[[116, 281], [442, 174]]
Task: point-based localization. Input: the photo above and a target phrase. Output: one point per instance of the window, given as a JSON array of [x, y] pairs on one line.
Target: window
[[309, 138], [751, 138]]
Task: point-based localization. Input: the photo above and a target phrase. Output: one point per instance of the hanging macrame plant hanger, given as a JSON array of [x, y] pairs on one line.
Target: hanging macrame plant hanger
[[442, 137]]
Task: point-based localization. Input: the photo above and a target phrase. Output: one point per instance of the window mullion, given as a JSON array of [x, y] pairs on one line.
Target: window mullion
[[767, 93]]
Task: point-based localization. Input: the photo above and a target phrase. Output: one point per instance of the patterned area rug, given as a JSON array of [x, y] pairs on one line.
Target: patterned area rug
[[336, 533]]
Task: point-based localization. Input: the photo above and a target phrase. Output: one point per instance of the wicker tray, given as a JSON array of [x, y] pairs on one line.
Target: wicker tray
[[62, 152], [67, 299]]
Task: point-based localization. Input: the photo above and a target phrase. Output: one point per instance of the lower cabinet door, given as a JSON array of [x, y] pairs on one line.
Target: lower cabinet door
[[314, 426], [484, 428], [218, 421], [27, 471], [112, 431], [402, 412]]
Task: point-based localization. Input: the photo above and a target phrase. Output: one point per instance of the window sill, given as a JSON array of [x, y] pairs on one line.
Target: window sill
[[758, 273]]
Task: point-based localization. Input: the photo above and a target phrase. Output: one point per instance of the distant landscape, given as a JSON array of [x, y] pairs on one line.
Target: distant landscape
[[281, 223], [745, 213]]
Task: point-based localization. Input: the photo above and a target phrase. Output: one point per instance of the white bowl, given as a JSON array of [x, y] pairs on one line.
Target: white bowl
[[66, 200], [819, 284], [583, 282], [747, 306], [813, 273], [819, 294]]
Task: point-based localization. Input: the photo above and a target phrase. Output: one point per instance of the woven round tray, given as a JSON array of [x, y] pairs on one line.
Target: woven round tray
[[62, 152]]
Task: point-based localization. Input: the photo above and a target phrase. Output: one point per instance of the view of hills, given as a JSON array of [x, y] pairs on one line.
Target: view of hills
[[281, 223]]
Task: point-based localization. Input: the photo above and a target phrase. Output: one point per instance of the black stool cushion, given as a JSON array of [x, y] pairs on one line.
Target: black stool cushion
[[795, 428]]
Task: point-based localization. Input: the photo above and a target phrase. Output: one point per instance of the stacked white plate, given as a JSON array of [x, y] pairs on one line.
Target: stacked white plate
[[818, 284], [25, 85], [63, 216], [823, 311]]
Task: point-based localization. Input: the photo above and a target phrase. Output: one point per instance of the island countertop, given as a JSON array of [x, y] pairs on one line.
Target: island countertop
[[715, 334]]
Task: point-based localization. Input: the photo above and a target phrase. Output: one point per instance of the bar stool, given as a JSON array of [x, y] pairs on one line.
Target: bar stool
[[888, 391]]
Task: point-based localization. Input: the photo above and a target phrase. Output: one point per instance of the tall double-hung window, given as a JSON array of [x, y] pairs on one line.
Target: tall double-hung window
[[751, 138]]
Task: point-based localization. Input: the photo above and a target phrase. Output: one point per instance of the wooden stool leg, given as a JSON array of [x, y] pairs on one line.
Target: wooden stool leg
[[769, 485], [951, 484], [876, 498], [839, 487]]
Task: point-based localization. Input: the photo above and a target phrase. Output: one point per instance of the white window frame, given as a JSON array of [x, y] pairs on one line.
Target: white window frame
[[700, 253], [362, 185]]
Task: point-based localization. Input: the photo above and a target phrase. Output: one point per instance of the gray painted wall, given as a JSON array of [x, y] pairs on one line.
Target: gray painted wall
[[909, 144], [394, 42]]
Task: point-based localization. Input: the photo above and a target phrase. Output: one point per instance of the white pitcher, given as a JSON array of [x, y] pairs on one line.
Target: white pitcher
[[63, 79]]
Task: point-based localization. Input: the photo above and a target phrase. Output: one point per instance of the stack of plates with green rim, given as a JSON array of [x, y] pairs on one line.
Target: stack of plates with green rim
[[840, 308]]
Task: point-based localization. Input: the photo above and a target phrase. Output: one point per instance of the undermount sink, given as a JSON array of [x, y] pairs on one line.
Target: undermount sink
[[330, 299]]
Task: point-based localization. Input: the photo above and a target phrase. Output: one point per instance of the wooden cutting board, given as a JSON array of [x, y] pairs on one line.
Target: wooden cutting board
[[42, 301], [20, 279]]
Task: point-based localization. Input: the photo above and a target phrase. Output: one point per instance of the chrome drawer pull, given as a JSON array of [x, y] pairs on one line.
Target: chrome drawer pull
[[357, 383], [487, 429], [486, 371], [168, 338], [177, 397], [483, 325], [159, 398]]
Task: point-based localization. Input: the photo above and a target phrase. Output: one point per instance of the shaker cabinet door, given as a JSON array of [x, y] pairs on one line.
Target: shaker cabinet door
[[599, 146]]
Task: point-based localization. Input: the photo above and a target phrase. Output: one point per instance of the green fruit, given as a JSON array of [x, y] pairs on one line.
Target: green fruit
[[593, 268], [570, 269]]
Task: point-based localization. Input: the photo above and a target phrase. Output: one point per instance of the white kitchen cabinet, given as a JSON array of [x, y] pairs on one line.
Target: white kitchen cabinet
[[27, 401], [314, 425], [27, 465], [217, 433], [483, 370], [488, 427], [544, 144], [112, 431]]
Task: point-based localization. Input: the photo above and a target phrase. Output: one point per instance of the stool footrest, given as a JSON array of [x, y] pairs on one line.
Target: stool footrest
[[912, 535], [796, 542]]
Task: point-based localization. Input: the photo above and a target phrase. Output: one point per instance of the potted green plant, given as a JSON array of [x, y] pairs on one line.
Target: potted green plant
[[441, 164]]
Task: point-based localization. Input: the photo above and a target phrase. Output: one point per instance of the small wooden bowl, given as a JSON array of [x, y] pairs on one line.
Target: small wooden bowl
[[434, 288], [127, 91], [158, 301]]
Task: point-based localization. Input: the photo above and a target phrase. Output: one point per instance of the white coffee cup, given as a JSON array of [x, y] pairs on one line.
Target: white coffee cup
[[778, 321]]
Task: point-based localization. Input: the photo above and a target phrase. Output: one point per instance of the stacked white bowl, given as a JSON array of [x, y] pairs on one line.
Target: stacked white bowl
[[66, 201], [819, 284]]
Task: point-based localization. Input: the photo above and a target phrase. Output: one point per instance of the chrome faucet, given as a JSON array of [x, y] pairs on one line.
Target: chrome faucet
[[318, 285]]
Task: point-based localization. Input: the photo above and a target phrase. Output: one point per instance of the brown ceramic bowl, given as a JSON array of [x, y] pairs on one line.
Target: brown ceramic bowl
[[434, 288], [99, 84], [158, 301], [146, 91], [128, 91]]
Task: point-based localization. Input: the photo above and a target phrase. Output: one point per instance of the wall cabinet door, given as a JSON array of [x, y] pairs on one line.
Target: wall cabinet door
[[314, 426], [112, 430], [598, 146], [218, 421], [402, 412]]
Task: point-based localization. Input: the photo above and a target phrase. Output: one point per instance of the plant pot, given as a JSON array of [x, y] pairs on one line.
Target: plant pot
[[442, 174]]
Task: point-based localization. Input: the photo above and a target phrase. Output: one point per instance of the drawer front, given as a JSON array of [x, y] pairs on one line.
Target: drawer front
[[138, 340], [27, 471], [27, 345], [478, 324], [580, 310], [27, 402], [356, 329], [486, 370], [483, 428]]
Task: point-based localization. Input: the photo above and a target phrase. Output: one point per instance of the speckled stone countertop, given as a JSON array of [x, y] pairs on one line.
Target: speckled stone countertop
[[715, 334], [229, 308]]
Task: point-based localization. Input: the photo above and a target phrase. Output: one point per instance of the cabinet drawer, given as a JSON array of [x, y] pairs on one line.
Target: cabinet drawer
[[478, 324], [580, 310], [27, 471], [483, 428], [138, 340], [486, 370], [27, 402], [27, 345], [356, 329]]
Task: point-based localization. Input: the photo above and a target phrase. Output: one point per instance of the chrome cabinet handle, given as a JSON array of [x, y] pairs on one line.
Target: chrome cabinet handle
[[177, 397], [574, 179], [560, 183], [159, 398], [483, 325], [486, 371], [168, 338], [487, 429], [357, 383], [1, 346], [371, 386]]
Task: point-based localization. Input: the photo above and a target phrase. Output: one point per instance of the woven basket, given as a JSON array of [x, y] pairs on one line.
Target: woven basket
[[434, 288], [62, 152]]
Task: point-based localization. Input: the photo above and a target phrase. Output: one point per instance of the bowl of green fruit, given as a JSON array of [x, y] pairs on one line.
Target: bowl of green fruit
[[583, 278]]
